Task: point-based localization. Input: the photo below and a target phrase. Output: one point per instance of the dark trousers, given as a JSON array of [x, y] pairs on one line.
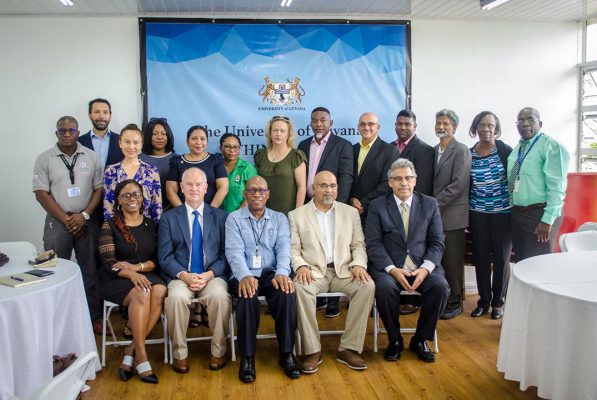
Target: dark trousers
[[282, 307], [58, 238], [524, 240], [434, 293], [492, 245], [453, 263]]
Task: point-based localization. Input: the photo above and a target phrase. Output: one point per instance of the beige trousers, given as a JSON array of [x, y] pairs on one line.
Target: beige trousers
[[361, 300], [214, 297]]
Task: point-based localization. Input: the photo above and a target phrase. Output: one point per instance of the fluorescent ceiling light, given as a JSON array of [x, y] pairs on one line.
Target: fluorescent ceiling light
[[489, 4], [67, 2], [286, 3]]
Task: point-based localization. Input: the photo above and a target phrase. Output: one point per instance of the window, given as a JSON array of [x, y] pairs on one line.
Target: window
[[588, 142]]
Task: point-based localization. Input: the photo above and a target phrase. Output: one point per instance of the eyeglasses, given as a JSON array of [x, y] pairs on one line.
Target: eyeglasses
[[531, 121], [132, 195], [326, 186], [253, 191], [275, 117], [64, 131], [154, 119], [231, 147], [399, 179], [369, 124]]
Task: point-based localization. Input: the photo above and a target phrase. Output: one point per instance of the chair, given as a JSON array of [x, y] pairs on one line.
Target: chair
[[68, 384], [108, 308], [578, 241], [204, 338], [24, 249], [587, 226], [377, 329]]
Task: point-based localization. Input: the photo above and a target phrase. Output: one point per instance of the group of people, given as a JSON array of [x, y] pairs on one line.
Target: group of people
[[369, 220]]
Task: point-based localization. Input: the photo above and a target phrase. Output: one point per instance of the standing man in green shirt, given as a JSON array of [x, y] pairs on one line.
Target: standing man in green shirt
[[537, 176]]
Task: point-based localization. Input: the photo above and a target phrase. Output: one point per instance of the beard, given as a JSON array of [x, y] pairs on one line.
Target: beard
[[100, 125], [441, 134], [328, 200]]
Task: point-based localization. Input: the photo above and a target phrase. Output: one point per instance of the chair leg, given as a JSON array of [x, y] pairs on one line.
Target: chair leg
[[435, 342], [104, 337], [375, 327], [165, 326], [231, 329]]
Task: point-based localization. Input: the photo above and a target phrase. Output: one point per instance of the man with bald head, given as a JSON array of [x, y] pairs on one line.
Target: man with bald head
[[193, 264], [537, 177], [328, 255], [258, 250]]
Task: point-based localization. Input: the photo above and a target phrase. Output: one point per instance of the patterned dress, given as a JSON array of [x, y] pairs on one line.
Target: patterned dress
[[149, 179]]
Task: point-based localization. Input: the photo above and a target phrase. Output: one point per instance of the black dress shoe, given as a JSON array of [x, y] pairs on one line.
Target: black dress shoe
[[393, 351], [246, 370], [321, 303], [419, 346], [477, 312], [290, 365], [333, 308], [497, 312], [449, 314], [124, 374]]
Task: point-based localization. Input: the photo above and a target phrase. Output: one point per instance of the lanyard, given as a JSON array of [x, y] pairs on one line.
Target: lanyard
[[257, 238], [71, 167], [519, 160]]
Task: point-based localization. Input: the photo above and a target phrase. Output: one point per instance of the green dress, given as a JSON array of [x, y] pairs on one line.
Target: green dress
[[280, 178], [237, 179]]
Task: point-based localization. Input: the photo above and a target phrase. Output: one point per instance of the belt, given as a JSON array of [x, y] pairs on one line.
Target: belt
[[530, 207]]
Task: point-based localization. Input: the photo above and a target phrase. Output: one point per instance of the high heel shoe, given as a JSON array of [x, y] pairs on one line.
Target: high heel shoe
[[145, 367], [126, 374]]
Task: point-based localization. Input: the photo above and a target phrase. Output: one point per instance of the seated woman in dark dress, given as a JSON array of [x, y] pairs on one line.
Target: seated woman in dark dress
[[129, 275]]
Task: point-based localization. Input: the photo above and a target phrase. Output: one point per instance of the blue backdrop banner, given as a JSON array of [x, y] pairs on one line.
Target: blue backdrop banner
[[234, 77]]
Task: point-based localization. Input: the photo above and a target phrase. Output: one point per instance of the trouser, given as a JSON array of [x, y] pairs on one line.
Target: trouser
[[524, 240], [214, 297], [282, 306], [361, 301], [492, 244], [58, 238], [453, 263]]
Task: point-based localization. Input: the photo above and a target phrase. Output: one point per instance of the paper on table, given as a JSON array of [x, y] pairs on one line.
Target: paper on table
[[16, 280]]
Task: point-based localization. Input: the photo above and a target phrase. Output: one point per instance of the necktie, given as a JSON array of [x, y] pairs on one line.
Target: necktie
[[404, 215], [197, 246], [515, 170]]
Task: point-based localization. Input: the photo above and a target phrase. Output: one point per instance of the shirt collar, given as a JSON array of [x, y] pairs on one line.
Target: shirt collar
[[369, 145], [191, 209], [408, 201], [245, 213], [406, 142], [323, 140], [58, 152], [317, 210], [107, 135]]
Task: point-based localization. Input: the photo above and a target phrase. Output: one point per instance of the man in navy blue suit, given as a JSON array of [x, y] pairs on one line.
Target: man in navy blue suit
[[193, 264], [101, 139], [405, 243]]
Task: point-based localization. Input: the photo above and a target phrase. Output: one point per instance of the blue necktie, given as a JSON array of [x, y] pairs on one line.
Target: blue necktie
[[197, 246]]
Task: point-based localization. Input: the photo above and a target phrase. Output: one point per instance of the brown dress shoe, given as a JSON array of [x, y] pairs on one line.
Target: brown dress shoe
[[311, 363], [181, 366], [351, 358], [216, 363], [406, 309]]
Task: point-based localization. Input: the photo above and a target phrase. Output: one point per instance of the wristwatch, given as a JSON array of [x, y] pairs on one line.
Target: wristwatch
[[85, 215]]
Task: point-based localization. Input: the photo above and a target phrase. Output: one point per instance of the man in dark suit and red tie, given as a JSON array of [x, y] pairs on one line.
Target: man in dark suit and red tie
[[404, 239]]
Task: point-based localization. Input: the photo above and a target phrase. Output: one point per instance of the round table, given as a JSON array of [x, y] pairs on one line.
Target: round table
[[549, 330], [38, 321]]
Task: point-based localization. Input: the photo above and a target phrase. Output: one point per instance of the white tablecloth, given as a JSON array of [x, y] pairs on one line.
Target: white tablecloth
[[38, 321], [549, 331]]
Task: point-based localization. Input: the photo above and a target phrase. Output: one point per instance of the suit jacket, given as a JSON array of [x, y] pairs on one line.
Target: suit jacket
[[451, 183], [307, 246], [372, 182], [386, 242], [422, 156], [174, 242], [336, 158], [114, 152]]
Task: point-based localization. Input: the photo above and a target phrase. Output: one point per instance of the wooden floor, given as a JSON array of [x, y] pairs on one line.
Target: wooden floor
[[465, 368]]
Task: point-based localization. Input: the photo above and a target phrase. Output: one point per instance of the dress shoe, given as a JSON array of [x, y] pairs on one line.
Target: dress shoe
[[290, 365], [351, 358], [246, 370], [449, 314], [333, 308], [98, 328], [216, 363], [477, 312], [181, 366], [393, 351], [321, 303], [126, 374], [143, 368], [497, 312], [406, 309], [311, 363], [419, 346]]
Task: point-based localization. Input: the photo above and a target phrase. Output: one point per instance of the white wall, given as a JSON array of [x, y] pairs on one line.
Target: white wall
[[53, 66]]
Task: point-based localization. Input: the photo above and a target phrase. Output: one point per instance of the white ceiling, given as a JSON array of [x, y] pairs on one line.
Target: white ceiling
[[515, 10]]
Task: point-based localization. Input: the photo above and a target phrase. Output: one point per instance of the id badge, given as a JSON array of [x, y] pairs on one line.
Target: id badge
[[516, 185], [256, 261], [73, 192]]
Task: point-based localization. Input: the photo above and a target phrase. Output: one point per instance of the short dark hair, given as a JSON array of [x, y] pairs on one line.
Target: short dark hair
[[407, 114], [65, 119], [473, 129], [194, 128], [100, 100], [226, 136], [321, 109], [148, 133]]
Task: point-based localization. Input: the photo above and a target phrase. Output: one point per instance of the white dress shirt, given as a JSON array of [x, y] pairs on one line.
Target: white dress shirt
[[327, 223]]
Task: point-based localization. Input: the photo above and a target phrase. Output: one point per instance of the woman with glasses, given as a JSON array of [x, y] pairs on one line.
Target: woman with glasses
[[131, 167], [282, 166], [239, 172], [129, 275], [489, 217], [158, 150], [211, 164]]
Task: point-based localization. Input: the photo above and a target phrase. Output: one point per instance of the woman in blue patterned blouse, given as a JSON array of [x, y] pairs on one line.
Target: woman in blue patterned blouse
[[131, 167], [489, 217]]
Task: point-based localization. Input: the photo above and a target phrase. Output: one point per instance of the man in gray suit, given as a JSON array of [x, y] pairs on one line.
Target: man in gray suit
[[450, 187]]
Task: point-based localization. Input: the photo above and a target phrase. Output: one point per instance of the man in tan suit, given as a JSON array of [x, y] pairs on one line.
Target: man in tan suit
[[328, 255]]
